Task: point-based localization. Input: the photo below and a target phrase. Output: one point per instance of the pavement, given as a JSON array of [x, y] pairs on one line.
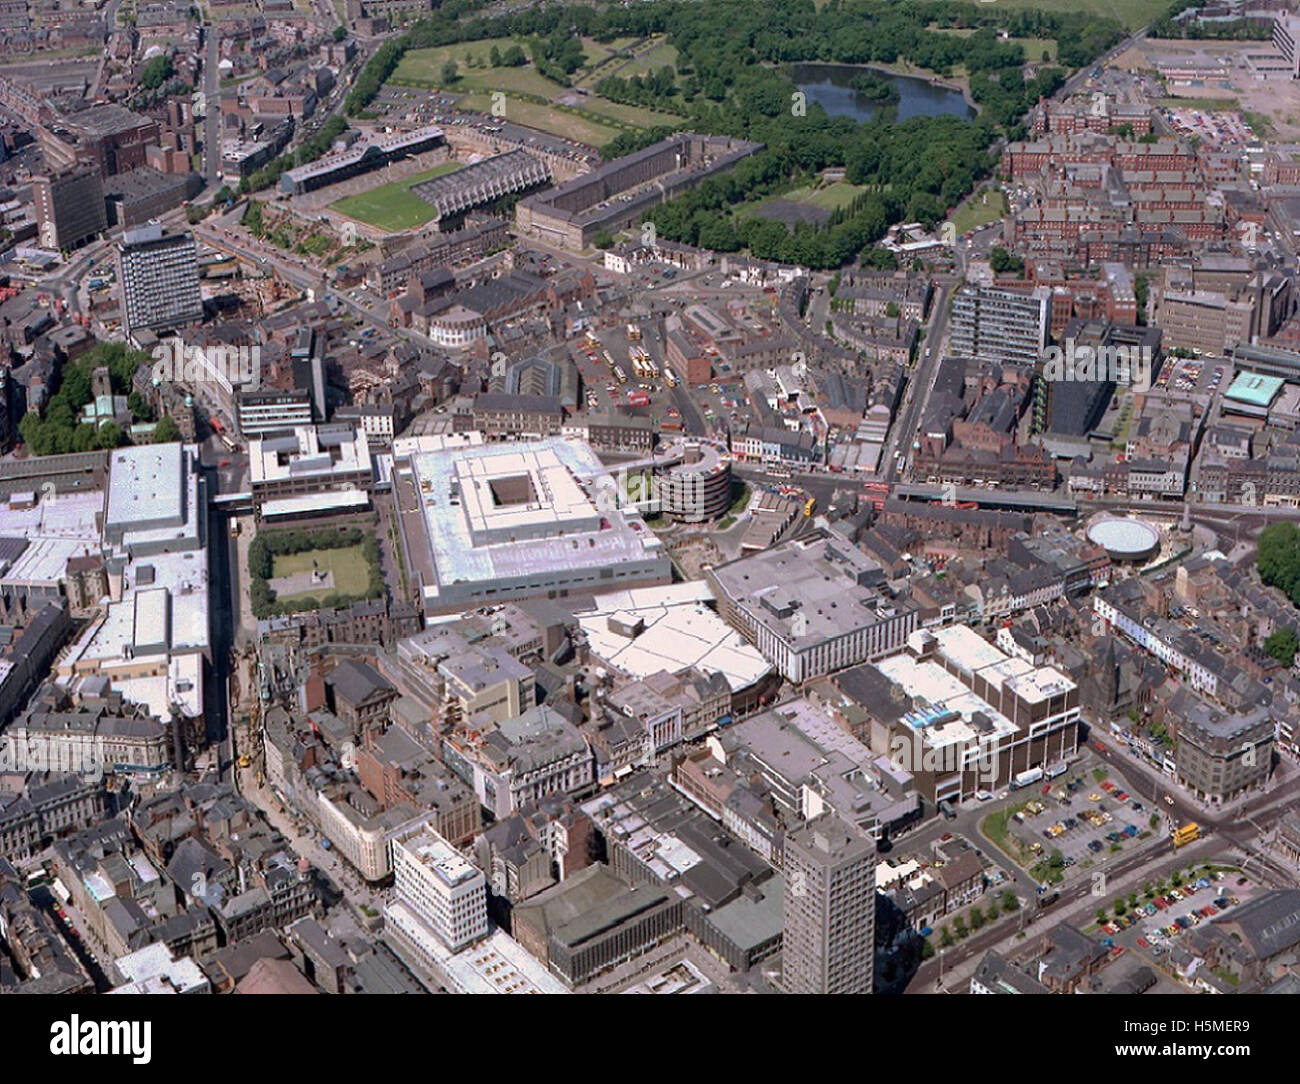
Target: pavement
[[304, 840]]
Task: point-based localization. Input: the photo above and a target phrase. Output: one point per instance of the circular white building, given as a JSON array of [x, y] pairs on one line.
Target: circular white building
[[1124, 538], [693, 482]]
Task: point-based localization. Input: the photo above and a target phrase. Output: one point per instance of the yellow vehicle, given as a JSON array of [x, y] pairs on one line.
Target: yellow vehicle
[[1188, 833], [808, 508], [244, 760]]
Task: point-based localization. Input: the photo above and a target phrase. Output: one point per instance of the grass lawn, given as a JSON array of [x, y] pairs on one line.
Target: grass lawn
[[631, 114], [523, 86], [829, 197], [523, 80], [996, 828], [832, 197], [597, 51], [1035, 47], [511, 80], [555, 121], [661, 54], [348, 563], [984, 207], [656, 56], [1043, 873], [392, 206], [1132, 13], [426, 64], [1205, 105], [1260, 124]]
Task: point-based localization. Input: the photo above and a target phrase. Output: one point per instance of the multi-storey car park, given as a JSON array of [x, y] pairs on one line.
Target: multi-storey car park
[[692, 480]]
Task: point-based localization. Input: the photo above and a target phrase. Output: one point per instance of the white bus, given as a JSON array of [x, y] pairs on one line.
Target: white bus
[[58, 888], [670, 378]]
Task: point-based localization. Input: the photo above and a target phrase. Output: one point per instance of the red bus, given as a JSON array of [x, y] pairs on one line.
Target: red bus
[[876, 492]]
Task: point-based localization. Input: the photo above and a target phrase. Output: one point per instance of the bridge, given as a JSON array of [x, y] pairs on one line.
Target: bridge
[[237, 504]]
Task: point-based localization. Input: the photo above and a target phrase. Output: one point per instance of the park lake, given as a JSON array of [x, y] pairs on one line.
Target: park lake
[[830, 86]]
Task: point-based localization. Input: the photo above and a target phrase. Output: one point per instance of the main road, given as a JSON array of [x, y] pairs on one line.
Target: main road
[[211, 105]]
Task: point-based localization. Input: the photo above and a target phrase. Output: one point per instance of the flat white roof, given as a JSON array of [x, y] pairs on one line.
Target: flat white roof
[[541, 517], [310, 503], [680, 631], [946, 704], [57, 528], [440, 857], [1124, 536], [145, 486], [496, 965], [305, 455]]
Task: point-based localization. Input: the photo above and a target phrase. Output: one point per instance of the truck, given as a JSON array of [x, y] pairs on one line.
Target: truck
[[1026, 778], [1055, 770]]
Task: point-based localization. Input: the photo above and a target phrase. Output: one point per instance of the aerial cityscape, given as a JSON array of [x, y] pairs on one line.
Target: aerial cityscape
[[671, 496]]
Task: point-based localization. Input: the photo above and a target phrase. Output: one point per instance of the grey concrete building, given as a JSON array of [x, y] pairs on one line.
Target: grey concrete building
[[830, 909], [813, 607], [70, 207], [158, 274], [999, 325]]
